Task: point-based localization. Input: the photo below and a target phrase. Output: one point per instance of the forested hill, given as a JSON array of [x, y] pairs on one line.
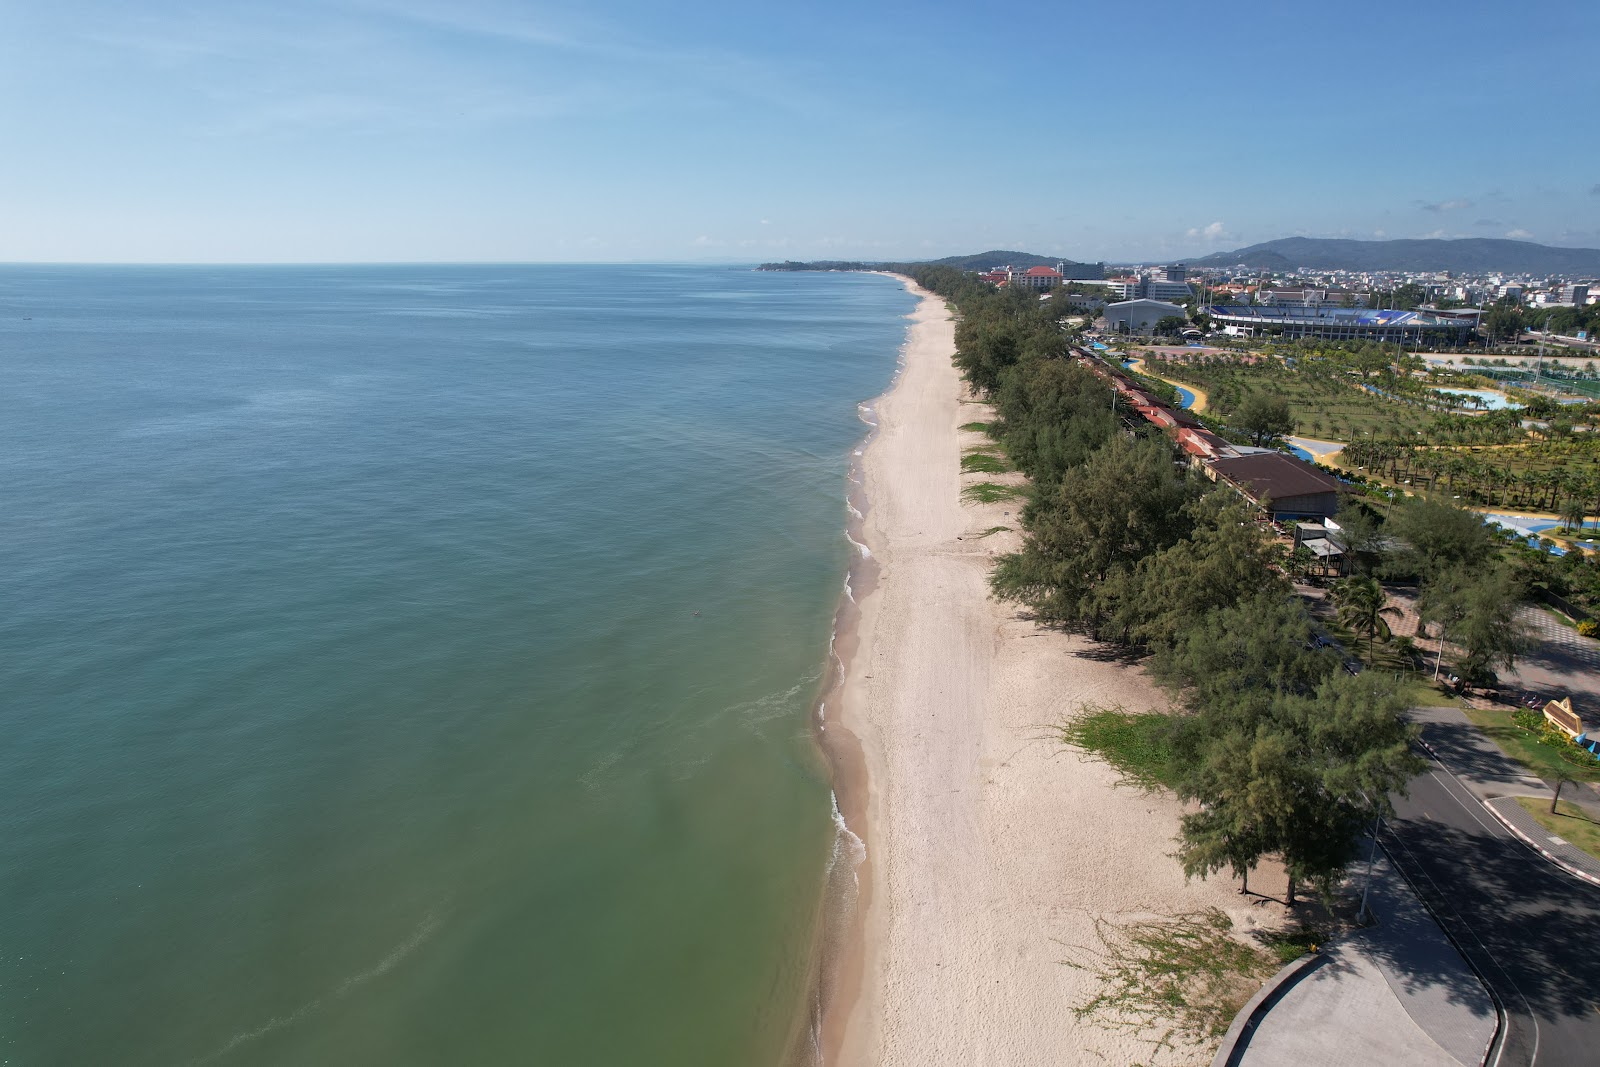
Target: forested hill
[[1470, 255], [1001, 258]]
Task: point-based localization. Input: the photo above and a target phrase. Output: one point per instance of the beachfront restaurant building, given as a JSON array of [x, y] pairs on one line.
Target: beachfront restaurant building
[[1285, 487]]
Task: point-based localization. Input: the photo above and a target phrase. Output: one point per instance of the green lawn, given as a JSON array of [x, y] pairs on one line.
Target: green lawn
[[1541, 760], [1423, 692], [1570, 823]]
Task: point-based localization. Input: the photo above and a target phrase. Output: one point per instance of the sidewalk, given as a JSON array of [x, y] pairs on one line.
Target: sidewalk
[[1486, 771], [1397, 992], [1525, 826]]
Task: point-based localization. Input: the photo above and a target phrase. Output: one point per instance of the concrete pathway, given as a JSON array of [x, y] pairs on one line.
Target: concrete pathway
[[1525, 826], [1397, 992]]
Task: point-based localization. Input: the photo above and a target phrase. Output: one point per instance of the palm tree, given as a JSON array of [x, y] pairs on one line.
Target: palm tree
[[1362, 604], [1572, 514]]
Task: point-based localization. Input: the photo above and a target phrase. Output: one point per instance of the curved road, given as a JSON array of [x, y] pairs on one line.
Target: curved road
[[1531, 930]]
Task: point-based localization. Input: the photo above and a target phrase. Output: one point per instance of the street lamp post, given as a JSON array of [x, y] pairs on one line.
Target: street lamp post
[[1372, 858]]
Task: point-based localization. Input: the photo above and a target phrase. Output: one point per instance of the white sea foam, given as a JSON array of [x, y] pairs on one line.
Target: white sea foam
[[866, 553], [849, 593], [851, 508], [777, 703], [846, 843]]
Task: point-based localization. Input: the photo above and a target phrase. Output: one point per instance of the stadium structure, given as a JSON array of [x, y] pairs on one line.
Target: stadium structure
[[1334, 323]]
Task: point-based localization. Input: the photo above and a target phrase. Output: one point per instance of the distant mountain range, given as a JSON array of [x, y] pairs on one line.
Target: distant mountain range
[[1467, 255]]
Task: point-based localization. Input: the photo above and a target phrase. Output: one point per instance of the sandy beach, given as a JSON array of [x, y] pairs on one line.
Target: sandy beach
[[993, 850]]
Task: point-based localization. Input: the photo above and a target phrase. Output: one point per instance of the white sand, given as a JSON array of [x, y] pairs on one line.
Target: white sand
[[992, 847]]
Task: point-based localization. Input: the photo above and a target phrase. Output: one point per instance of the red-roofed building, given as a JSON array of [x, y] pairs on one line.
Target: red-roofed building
[[1036, 277], [1201, 443]]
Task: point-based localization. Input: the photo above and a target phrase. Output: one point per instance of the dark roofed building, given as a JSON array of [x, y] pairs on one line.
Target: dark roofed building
[[1289, 487]]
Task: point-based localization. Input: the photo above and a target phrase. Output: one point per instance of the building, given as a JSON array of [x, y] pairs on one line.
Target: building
[[1034, 277], [1285, 486], [1124, 288], [1324, 543], [1159, 289], [1311, 297], [1140, 316], [1335, 323], [1577, 295]]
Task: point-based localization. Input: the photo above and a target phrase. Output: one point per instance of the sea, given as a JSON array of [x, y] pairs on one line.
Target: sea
[[417, 664]]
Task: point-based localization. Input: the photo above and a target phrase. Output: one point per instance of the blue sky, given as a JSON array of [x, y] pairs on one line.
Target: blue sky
[[378, 130]]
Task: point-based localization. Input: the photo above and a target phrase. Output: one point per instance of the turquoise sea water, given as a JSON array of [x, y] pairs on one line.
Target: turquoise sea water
[[355, 705]]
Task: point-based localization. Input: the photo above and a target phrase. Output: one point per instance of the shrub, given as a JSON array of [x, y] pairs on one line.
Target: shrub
[[1553, 735], [1588, 628], [1531, 721]]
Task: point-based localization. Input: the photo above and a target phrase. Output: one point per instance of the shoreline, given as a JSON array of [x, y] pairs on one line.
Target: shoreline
[[991, 850], [847, 893]]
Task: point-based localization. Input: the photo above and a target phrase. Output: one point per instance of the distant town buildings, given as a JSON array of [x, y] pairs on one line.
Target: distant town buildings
[[1429, 308]]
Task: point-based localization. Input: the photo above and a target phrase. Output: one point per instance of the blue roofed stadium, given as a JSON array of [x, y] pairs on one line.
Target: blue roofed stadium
[[1400, 327]]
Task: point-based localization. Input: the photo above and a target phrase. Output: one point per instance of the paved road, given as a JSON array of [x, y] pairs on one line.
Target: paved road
[[1529, 928], [1562, 664]]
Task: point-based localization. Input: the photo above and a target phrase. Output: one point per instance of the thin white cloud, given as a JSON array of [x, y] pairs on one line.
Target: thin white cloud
[[1519, 234], [1214, 231]]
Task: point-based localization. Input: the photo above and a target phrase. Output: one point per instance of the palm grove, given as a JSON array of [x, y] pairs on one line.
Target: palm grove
[[1285, 752]]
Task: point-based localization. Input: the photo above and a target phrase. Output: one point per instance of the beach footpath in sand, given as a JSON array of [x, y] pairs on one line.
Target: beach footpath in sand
[[996, 855]]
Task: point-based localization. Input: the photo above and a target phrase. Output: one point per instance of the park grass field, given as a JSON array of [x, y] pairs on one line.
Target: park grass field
[[1526, 748], [1570, 823], [1324, 407]]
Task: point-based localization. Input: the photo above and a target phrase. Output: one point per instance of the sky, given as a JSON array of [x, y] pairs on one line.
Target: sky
[[492, 130]]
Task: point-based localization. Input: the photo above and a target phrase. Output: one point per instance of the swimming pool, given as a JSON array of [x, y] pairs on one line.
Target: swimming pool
[[1492, 400]]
